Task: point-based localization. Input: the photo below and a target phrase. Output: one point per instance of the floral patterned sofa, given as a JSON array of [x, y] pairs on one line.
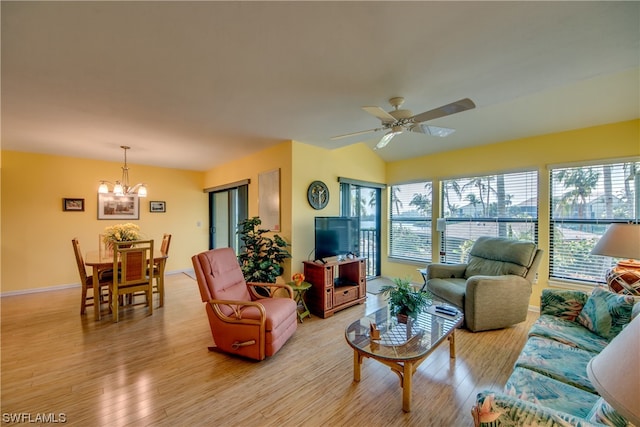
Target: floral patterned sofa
[[549, 384]]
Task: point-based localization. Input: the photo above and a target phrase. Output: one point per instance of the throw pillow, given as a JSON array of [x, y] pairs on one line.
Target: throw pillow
[[606, 313]]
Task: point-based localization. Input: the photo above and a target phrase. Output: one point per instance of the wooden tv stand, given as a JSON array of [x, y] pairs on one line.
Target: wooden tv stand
[[335, 285]]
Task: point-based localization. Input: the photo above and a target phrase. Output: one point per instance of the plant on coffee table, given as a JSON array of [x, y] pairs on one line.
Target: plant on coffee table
[[404, 300]]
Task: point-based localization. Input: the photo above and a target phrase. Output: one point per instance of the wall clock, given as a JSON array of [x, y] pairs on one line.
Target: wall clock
[[318, 195]]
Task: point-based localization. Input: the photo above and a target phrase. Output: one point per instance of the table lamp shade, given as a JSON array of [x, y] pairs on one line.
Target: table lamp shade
[[622, 241], [615, 374]]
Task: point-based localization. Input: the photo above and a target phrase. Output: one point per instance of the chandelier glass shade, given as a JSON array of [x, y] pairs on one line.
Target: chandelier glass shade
[[122, 187]]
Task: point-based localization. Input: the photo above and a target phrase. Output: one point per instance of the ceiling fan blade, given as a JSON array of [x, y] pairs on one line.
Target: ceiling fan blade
[[380, 113], [362, 132], [431, 130], [445, 110], [386, 138]]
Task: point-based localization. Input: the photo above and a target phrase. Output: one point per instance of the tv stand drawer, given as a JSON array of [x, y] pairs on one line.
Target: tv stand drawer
[[344, 294]]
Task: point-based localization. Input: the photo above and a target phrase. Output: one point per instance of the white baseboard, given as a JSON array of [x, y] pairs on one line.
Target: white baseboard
[[38, 290], [69, 285]]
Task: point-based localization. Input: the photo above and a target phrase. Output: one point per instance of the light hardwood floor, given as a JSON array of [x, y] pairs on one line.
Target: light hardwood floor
[[156, 370]]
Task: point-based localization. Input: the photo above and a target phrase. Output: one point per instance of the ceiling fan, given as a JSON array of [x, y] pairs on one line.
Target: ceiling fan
[[399, 120]]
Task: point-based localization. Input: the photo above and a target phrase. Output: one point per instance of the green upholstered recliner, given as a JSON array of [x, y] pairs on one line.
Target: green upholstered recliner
[[494, 287]]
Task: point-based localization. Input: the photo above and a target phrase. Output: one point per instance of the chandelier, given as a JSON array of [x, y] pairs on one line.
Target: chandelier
[[122, 188]]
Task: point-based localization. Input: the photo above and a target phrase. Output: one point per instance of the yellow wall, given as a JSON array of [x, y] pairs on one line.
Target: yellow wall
[[36, 233], [306, 163], [312, 163], [278, 156], [596, 143]]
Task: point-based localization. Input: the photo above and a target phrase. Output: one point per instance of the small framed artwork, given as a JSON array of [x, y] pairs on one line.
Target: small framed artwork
[[73, 205], [157, 206], [111, 206]]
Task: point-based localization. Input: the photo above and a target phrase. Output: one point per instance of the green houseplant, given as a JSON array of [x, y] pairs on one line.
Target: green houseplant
[[261, 256], [403, 300]]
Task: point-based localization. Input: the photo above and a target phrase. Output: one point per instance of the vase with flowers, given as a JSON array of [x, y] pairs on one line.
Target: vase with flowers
[[120, 233], [298, 278]]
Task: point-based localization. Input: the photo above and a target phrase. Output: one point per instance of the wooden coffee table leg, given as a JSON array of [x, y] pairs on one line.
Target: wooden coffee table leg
[[452, 345], [407, 377], [357, 363]]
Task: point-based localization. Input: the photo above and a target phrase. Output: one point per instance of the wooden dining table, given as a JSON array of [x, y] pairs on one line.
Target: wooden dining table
[[102, 260]]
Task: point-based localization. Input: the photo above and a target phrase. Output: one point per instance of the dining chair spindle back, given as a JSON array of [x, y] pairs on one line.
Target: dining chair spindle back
[[158, 269], [106, 277], [135, 260]]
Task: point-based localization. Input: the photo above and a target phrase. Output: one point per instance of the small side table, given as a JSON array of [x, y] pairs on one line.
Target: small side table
[[423, 272], [298, 292]]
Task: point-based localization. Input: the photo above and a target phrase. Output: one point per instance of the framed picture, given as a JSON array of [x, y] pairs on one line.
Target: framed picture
[[111, 206], [157, 206], [73, 205]]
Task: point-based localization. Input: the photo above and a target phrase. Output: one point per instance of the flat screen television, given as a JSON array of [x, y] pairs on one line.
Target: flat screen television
[[337, 235]]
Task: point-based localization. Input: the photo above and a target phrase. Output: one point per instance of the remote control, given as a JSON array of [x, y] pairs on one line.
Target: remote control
[[446, 310]]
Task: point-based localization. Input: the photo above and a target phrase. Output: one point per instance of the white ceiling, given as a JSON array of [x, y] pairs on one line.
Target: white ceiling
[[192, 85]]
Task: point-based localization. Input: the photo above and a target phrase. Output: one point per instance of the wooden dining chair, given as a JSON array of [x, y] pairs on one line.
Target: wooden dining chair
[[106, 277], [158, 269], [135, 260]]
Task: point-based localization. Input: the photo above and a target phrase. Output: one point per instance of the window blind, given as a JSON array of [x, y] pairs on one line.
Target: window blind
[[585, 200], [410, 221], [500, 205]]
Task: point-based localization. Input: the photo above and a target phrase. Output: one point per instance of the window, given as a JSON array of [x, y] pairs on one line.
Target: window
[[501, 205], [410, 217], [584, 201]]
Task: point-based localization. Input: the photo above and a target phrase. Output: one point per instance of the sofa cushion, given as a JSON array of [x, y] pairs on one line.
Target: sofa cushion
[[451, 290], [567, 332], [606, 313], [494, 256], [562, 303], [541, 389], [503, 410], [603, 413], [482, 267], [557, 360]]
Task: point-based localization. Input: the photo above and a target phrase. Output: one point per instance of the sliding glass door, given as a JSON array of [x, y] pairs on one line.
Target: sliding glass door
[[227, 208], [362, 199]]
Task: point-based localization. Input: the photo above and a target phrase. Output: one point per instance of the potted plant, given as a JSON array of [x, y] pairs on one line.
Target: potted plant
[[404, 301], [261, 256]]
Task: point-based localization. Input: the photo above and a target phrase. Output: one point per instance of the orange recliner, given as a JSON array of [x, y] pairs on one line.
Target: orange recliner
[[242, 321]]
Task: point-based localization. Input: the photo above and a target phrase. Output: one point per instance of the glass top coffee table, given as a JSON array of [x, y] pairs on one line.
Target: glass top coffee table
[[402, 347]]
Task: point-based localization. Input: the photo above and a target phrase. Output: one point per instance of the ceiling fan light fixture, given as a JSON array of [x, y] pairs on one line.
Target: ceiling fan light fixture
[[434, 130], [399, 120], [388, 137]]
